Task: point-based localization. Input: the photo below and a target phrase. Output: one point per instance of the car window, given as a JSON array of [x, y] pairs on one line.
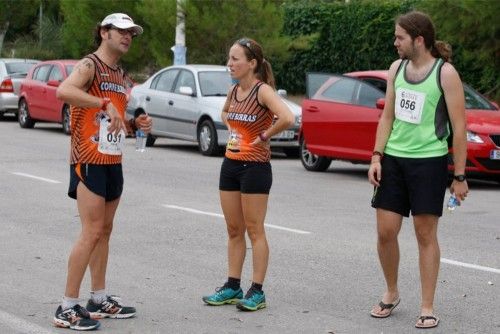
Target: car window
[[55, 74], [186, 79], [376, 82], [42, 72], [69, 69], [164, 81], [18, 69], [474, 100], [214, 83], [339, 90], [368, 95], [315, 81]]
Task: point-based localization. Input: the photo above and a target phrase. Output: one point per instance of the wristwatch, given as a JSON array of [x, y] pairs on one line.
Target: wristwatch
[[459, 178]]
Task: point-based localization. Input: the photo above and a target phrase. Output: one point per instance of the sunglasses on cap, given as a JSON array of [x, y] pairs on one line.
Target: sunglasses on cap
[[246, 43]]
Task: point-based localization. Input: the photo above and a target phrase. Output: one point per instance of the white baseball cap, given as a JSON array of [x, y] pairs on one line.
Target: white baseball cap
[[121, 21]]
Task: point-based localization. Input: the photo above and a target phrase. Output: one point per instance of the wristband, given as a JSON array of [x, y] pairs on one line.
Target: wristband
[[262, 136], [377, 153], [104, 103]]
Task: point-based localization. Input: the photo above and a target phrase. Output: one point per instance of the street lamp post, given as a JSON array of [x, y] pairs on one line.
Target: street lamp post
[[179, 48]]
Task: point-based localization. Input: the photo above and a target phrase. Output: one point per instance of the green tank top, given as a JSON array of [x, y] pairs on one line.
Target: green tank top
[[421, 124]]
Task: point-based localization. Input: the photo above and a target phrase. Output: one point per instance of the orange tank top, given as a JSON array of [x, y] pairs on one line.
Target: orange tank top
[[247, 118], [108, 82]]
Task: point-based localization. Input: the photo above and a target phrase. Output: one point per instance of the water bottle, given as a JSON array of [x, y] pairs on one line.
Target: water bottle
[[452, 203], [140, 140]]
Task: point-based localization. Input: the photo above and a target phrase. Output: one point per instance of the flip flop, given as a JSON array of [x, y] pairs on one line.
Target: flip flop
[[384, 306], [421, 321]]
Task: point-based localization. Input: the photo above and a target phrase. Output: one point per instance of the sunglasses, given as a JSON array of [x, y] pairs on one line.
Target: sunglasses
[[124, 32], [246, 43]]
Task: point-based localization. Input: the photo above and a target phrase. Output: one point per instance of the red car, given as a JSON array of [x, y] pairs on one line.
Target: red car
[[341, 113], [37, 98]]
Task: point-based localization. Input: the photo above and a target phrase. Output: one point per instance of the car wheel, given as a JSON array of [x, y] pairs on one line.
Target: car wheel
[[207, 138], [292, 152], [150, 140], [66, 120], [23, 116], [313, 162]]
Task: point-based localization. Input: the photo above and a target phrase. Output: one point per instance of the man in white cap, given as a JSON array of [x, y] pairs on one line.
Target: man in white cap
[[97, 93]]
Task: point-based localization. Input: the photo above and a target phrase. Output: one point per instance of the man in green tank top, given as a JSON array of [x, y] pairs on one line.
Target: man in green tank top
[[409, 164]]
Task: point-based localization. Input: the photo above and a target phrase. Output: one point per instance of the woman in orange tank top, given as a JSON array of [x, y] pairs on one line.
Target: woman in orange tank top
[[246, 175]]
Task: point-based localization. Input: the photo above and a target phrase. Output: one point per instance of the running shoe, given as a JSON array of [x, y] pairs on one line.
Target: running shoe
[[76, 317], [110, 308], [224, 295], [254, 300]]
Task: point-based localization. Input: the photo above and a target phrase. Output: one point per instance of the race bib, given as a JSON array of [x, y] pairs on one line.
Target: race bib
[[409, 105], [109, 143], [233, 143]]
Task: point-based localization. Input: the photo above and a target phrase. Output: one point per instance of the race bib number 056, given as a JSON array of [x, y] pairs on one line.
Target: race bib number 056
[[109, 143], [409, 105]]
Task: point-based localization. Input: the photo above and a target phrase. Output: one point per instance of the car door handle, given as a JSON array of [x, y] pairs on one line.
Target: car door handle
[[312, 109], [170, 103], [148, 98]]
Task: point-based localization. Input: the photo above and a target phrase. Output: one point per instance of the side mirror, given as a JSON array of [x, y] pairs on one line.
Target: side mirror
[[380, 103], [53, 83], [185, 90], [282, 92]]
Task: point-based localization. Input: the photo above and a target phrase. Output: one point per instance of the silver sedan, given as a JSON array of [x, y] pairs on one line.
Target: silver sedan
[[186, 101]]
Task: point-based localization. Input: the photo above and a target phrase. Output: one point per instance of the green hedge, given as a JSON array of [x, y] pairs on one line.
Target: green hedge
[[343, 37]]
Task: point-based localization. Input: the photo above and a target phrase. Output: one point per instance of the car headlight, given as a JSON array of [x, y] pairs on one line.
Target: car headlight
[[474, 138], [298, 120]]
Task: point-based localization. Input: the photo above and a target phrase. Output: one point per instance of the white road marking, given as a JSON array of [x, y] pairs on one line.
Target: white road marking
[[472, 266], [20, 325], [218, 215], [35, 177]]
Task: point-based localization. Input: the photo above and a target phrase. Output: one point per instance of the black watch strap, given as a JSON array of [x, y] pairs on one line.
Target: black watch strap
[[459, 178]]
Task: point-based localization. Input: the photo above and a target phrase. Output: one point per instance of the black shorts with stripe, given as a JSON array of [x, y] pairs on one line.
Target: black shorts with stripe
[[103, 180]]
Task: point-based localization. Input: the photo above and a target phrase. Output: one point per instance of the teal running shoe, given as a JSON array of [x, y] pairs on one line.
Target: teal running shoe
[[224, 295], [254, 300]]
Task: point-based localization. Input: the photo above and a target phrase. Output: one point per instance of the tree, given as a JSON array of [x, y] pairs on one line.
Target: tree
[[16, 16], [476, 53], [212, 26]]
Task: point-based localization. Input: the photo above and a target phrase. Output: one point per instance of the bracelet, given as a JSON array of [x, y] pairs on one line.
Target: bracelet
[[104, 103], [262, 136], [377, 153]]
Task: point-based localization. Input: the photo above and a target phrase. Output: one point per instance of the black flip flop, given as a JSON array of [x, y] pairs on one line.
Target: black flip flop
[[384, 306], [421, 321]]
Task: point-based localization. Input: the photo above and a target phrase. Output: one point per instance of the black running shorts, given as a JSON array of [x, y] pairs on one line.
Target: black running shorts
[[103, 180], [249, 177], [412, 184]]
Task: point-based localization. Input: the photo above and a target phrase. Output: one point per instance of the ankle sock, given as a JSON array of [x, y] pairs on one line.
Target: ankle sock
[[98, 296], [256, 286], [69, 302], [233, 283]]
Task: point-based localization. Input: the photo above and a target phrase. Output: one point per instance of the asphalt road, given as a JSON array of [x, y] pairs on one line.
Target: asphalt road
[[169, 247]]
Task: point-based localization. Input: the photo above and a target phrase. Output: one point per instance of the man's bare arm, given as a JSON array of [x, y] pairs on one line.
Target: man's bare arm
[[73, 90]]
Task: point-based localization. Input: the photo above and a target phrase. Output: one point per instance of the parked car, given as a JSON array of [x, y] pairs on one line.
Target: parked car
[[12, 72], [341, 112], [186, 101], [37, 101]]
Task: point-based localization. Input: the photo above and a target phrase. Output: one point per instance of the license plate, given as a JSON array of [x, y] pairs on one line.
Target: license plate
[[495, 155], [287, 134]]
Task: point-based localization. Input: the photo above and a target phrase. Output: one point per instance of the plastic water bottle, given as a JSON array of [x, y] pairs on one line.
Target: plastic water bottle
[[140, 141], [452, 203]]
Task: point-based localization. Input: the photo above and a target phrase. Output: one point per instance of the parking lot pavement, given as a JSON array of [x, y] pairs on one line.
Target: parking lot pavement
[[169, 247]]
